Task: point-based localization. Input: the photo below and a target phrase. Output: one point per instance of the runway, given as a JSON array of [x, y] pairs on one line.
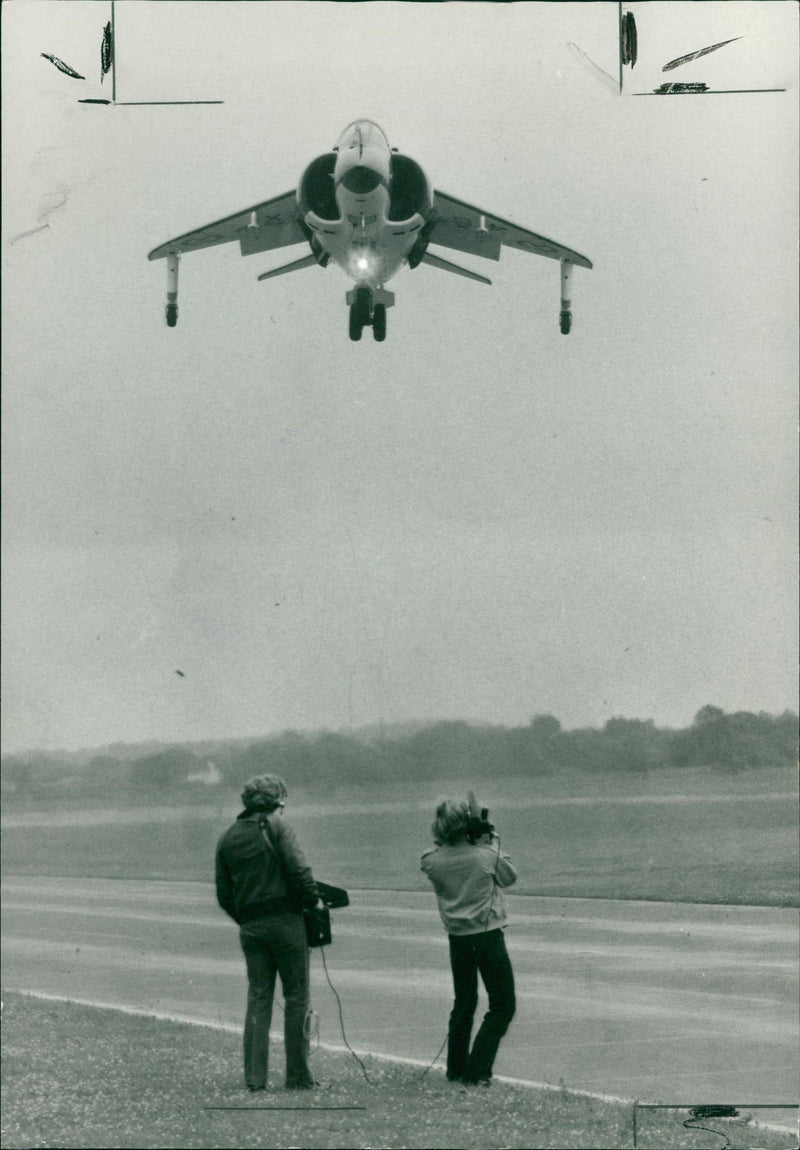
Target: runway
[[657, 1001]]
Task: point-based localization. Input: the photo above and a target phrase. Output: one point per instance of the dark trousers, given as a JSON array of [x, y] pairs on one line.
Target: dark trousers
[[470, 955], [276, 945]]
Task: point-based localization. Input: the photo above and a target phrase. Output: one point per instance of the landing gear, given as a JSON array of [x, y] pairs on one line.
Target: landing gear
[[173, 259], [565, 316], [368, 306], [379, 322], [356, 323], [360, 312]]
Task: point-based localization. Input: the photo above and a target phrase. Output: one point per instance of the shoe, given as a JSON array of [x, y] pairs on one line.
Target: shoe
[[302, 1085], [255, 1089], [485, 1082]]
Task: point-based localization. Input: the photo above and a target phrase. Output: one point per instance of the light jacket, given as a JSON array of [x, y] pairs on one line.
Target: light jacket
[[467, 878], [254, 880]]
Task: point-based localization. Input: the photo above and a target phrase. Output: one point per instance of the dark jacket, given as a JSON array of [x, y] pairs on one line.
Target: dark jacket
[[254, 880]]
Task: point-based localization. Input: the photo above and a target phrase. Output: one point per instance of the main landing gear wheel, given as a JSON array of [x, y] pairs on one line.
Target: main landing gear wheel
[[172, 314], [356, 323], [360, 310], [379, 322]]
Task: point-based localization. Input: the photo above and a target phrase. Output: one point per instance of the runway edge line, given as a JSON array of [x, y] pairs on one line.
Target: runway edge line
[[231, 1028]]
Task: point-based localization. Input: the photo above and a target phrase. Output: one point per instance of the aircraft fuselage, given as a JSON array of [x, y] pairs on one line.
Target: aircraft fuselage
[[365, 242]]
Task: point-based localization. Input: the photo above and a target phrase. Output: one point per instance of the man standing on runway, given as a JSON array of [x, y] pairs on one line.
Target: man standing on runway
[[263, 883], [467, 869]]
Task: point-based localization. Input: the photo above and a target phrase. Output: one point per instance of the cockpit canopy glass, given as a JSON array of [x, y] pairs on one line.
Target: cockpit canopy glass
[[361, 133]]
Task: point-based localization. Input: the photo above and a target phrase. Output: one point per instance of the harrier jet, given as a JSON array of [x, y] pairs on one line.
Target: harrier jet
[[370, 210]]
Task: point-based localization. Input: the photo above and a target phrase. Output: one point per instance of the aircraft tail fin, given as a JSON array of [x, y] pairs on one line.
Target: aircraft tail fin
[[446, 266], [305, 262]]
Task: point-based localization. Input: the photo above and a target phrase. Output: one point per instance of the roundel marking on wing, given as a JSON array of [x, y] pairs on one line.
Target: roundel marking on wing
[[536, 246], [203, 238]]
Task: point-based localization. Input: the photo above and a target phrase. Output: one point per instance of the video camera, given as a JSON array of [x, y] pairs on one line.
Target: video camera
[[478, 824]]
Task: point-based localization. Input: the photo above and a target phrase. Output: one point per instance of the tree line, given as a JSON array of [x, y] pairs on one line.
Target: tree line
[[448, 749]]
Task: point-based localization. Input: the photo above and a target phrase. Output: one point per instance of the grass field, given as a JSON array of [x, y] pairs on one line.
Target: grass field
[[78, 1076], [677, 836]]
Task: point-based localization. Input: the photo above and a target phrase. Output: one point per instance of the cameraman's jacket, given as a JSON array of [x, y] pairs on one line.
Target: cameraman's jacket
[[467, 878], [255, 879]]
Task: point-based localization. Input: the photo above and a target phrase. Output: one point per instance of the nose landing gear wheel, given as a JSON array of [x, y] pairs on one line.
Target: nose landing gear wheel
[[379, 322], [172, 314]]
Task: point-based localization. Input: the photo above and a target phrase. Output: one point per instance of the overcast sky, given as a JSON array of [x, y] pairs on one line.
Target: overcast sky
[[479, 518]]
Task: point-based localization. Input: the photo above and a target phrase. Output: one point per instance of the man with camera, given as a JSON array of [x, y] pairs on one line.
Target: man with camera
[[264, 883], [468, 870]]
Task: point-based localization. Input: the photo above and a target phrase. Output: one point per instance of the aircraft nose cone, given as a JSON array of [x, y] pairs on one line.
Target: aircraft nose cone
[[361, 179]]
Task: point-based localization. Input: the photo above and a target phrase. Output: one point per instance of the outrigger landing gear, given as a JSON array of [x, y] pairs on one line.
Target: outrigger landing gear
[[173, 260], [368, 309], [565, 316]]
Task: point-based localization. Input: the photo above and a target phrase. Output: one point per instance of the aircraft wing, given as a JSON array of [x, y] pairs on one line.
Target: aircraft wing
[[459, 225], [272, 224]]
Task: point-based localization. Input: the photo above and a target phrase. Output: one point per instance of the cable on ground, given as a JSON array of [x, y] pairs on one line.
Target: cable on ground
[[341, 1019]]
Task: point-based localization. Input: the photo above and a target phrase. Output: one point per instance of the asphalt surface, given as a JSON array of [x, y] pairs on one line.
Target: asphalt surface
[[662, 1002]]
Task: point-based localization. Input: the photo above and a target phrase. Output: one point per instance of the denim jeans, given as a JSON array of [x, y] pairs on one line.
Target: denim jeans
[[470, 955], [274, 945]]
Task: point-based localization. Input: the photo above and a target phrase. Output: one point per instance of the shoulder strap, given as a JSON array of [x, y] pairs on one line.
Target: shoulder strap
[[263, 826]]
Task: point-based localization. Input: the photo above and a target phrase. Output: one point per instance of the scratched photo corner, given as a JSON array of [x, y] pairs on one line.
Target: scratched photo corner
[[399, 712]]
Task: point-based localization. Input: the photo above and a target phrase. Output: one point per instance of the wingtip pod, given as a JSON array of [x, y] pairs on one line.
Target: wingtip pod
[[173, 261], [565, 315]]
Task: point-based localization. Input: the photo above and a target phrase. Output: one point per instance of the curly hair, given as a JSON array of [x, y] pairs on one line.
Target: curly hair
[[264, 793], [451, 820]]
